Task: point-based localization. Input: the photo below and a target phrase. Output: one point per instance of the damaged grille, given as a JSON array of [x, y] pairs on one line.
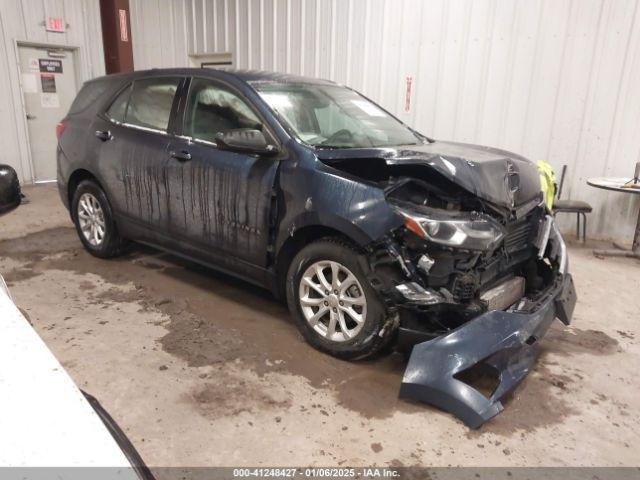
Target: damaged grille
[[518, 235]]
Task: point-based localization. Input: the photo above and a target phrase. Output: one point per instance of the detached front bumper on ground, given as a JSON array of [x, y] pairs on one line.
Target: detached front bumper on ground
[[502, 341]]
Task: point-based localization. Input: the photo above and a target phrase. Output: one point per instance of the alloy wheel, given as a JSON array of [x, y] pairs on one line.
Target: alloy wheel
[[91, 219], [332, 300]]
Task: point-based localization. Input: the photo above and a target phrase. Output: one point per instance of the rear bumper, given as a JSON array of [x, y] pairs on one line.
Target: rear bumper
[[62, 191], [504, 341], [62, 175]]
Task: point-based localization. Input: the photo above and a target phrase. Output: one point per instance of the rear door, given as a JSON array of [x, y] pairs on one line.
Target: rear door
[[223, 200], [133, 142]]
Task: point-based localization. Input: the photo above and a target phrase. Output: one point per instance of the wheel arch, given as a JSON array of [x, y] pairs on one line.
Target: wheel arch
[[75, 178], [296, 242]]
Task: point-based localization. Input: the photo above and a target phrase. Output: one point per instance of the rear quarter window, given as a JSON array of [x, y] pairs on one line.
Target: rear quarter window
[[118, 109], [88, 94]]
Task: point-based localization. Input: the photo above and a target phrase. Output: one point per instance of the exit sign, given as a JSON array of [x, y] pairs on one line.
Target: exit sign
[[55, 24]]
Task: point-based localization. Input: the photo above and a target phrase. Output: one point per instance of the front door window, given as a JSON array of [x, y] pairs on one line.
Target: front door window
[[212, 109]]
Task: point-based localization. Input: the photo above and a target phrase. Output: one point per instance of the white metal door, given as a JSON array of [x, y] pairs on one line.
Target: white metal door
[[48, 82]]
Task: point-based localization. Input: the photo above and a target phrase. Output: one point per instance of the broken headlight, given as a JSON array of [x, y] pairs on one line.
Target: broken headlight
[[468, 232]]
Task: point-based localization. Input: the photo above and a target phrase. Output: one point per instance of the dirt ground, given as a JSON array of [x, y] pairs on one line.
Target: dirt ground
[[201, 369]]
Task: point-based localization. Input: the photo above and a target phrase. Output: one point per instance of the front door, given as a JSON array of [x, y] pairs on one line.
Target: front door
[[222, 200], [48, 81]]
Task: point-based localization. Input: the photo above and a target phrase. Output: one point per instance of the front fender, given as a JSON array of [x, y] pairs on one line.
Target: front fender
[[317, 195], [328, 221]]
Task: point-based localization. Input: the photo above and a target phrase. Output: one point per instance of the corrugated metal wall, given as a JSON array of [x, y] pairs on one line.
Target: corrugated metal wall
[[551, 79], [162, 33], [22, 20]]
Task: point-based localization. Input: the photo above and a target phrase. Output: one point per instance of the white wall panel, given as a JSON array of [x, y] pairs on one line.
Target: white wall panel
[[23, 20], [551, 79]]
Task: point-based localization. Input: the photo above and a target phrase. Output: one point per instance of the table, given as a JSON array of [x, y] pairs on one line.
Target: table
[[616, 184]]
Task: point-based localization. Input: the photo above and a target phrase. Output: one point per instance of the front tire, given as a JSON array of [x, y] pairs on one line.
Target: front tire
[[332, 303], [92, 216]]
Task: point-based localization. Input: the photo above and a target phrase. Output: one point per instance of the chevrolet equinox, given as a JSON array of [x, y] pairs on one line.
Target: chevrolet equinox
[[373, 232]]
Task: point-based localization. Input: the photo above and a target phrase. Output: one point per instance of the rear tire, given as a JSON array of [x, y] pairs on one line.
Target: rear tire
[[329, 320], [93, 218]]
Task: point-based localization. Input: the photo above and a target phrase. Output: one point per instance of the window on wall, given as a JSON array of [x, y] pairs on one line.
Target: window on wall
[[212, 108], [219, 61]]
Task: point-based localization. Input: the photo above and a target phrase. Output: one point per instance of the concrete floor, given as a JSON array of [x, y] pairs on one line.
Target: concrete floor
[[201, 369]]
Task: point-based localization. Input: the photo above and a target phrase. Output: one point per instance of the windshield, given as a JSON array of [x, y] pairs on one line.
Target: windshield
[[329, 116]]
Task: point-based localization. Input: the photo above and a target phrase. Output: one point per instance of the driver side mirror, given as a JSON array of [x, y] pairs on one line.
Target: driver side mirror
[[245, 140]]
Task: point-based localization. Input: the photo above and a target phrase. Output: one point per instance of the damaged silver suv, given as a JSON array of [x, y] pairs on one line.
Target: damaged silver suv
[[373, 232]]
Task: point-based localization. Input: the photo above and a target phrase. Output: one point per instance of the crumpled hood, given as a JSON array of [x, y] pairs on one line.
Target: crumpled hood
[[500, 177]]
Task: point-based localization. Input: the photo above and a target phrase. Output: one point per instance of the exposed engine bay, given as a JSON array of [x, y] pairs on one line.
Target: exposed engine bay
[[454, 284], [436, 282]]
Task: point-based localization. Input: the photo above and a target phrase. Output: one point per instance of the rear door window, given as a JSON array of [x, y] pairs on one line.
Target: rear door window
[[150, 102], [146, 103]]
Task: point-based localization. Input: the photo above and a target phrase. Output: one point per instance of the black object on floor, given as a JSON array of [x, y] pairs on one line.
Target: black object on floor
[[10, 196]]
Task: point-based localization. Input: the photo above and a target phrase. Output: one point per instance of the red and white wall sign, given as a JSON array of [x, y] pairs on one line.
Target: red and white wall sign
[[407, 95], [124, 31]]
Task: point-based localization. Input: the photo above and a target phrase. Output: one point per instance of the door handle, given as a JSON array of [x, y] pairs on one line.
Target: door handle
[[31, 117], [104, 135], [180, 155]]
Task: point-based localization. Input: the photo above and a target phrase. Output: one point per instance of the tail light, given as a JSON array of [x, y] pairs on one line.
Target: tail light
[[59, 129]]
